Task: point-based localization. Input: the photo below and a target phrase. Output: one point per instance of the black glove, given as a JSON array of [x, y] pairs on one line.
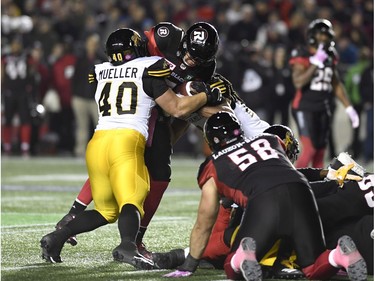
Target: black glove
[[199, 86], [214, 97], [190, 264]]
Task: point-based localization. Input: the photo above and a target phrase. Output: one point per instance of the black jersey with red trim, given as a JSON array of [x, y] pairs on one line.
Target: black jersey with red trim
[[317, 94], [354, 199], [248, 168], [164, 40]]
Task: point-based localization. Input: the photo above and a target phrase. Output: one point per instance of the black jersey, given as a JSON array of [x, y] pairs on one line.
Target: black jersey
[[317, 94], [342, 205], [18, 73], [249, 168], [164, 40]]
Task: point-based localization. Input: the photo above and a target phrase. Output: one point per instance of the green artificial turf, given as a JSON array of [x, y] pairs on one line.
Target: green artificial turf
[[37, 192]]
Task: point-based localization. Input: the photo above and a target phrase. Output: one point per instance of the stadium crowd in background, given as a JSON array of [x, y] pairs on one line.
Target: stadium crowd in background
[[250, 33]]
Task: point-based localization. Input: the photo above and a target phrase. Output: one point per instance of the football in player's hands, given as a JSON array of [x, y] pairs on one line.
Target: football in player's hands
[[184, 89], [191, 88]]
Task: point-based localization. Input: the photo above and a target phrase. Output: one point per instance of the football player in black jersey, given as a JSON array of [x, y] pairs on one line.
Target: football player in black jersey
[[316, 79], [19, 85], [191, 56], [257, 175]]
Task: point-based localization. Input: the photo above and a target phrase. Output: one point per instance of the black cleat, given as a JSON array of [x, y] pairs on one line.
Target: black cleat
[[169, 260], [286, 269], [51, 248], [131, 256], [287, 273], [64, 221]]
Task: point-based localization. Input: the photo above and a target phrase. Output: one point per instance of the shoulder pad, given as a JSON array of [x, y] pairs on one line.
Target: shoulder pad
[[159, 69]]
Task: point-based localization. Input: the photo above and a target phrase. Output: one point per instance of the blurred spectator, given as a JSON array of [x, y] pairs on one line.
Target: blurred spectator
[[245, 29], [253, 81], [352, 82], [63, 62], [13, 22], [285, 8], [83, 101], [45, 35], [39, 125], [18, 88], [282, 91], [297, 30], [366, 87], [238, 23], [273, 33], [348, 52], [261, 11], [357, 30]]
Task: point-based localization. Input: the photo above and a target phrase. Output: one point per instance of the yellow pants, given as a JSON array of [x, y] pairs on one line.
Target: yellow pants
[[271, 255], [117, 172]]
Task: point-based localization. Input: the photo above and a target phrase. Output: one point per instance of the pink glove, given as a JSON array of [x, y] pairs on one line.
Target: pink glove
[[319, 57], [178, 274], [353, 116]]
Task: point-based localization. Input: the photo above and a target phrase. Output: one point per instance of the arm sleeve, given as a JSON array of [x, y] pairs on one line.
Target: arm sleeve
[[323, 188], [311, 174], [154, 83]]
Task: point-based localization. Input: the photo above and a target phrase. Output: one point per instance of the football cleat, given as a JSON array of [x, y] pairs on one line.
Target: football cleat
[[143, 251], [169, 260], [283, 272], [245, 257], [347, 256], [51, 248], [64, 221], [124, 253]]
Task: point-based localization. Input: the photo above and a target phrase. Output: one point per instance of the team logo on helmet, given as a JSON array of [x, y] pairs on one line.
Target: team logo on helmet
[[163, 31], [199, 36]]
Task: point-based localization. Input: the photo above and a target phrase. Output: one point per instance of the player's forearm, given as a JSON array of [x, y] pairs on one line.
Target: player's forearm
[[198, 240]]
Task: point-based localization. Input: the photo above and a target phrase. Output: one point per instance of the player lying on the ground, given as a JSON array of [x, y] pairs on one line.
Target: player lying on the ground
[[240, 169], [325, 181]]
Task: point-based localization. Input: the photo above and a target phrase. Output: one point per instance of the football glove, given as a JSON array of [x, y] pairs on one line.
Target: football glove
[[341, 174], [214, 97], [186, 269], [353, 116], [319, 57]]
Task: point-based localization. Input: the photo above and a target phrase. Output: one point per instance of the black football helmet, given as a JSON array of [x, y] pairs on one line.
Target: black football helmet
[[201, 41], [123, 45], [221, 130], [287, 136], [320, 26]]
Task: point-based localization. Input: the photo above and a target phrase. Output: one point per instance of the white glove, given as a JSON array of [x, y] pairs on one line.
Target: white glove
[[353, 116], [341, 174], [319, 57]]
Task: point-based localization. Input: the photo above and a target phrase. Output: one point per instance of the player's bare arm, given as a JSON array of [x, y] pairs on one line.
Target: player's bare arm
[[207, 213]]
